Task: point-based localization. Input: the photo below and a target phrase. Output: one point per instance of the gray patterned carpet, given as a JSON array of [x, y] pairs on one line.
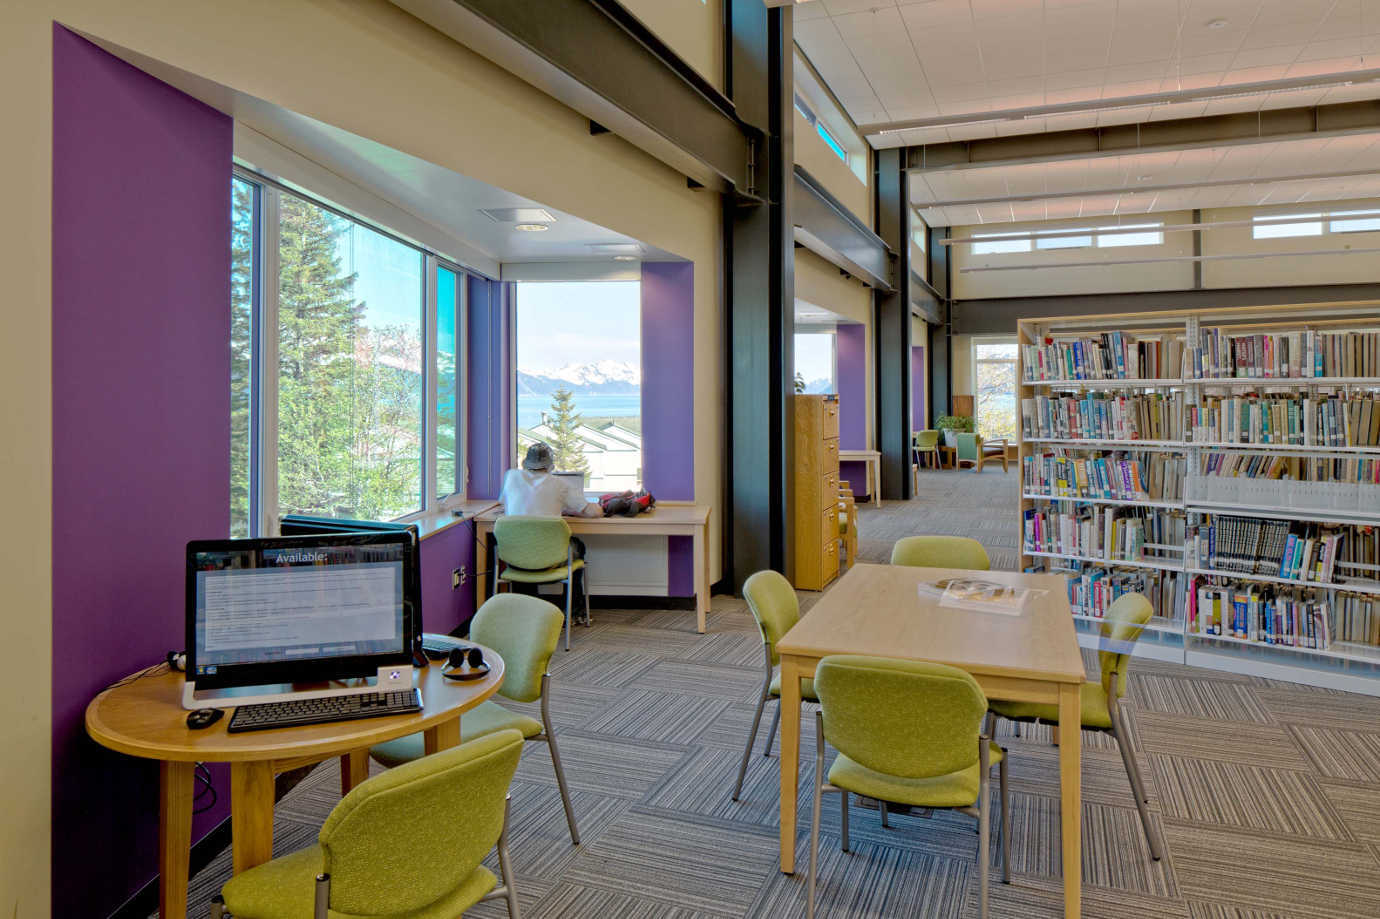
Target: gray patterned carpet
[[1268, 794]]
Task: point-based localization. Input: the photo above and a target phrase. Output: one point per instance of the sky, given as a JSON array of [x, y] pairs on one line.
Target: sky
[[577, 322], [814, 355]]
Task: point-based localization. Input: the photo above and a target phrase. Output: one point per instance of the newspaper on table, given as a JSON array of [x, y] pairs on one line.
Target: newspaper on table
[[978, 594]]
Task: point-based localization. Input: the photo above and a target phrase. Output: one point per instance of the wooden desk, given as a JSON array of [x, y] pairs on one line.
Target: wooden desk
[[873, 461], [666, 519], [879, 610], [145, 718]]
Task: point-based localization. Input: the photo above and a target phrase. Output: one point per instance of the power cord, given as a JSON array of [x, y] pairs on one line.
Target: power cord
[[203, 777], [159, 667]]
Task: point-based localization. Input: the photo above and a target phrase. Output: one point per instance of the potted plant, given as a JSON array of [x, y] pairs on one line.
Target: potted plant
[[954, 424]]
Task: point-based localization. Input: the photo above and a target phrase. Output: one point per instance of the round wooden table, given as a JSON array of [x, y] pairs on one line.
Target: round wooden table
[[145, 718]]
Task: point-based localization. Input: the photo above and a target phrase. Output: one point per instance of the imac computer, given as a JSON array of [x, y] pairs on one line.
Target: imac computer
[[300, 617]]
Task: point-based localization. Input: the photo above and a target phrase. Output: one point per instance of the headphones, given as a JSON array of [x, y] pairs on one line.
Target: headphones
[[465, 664], [177, 660]]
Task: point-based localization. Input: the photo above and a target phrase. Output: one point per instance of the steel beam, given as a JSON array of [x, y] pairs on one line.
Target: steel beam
[[1268, 126], [597, 58], [891, 310], [826, 227], [940, 333]]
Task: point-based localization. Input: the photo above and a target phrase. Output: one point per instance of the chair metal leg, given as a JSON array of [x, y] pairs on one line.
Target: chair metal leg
[[505, 866], [771, 731], [984, 823], [556, 761], [752, 735], [843, 819], [882, 804], [569, 593], [1128, 757], [584, 579], [322, 906], [218, 910], [1005, 829], [814, 815]]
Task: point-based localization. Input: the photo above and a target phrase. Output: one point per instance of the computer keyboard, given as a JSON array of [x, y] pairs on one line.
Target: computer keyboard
[[297, 712]]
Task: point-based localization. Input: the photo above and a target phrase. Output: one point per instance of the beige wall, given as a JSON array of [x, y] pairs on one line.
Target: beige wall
[[822, 163], [1285, 271], [961, 365], [692, 28], [819, 282], [256, 46]]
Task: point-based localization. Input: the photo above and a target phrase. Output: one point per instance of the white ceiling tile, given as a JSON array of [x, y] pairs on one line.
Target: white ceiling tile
[[1346, 18], [1179, 110], [807, 11], [1136, 73], [839, 7], [1327, 66], [1261, 57], [1086, 94], [1230, 106], [1076, 79], [1202, 63], [1333, 48], [1257, 74]]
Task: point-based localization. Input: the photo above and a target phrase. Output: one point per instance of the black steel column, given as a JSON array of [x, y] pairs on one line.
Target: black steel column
[[759, 298], [941, 335], [891, 325]]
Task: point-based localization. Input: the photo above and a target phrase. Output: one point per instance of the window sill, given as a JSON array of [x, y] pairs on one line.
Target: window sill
[[429, 525]]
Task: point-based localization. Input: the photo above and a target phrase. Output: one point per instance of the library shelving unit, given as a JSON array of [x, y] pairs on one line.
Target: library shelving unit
[[1251, 424]]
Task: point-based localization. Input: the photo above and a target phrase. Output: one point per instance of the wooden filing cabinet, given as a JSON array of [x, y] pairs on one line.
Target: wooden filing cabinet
[[816, 490]]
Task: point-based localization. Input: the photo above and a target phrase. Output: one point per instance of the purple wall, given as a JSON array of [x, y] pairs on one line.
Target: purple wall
[[668, 400], [443, 607], [489, 430], [918, 384], [141, 434], [850, 342]]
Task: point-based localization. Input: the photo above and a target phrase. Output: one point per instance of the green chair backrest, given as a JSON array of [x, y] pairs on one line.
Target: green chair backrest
[[926, 440], [532, 542], [905, 718], [940, 552], [403, 839], [524, 631], [1122, 624], [968, 445], [774, 605]]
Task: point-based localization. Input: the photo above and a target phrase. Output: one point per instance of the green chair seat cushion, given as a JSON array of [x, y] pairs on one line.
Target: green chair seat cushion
[[1093, 702], [807, 688], [539, 576], [957, 789], [486, 718], [843, 524], [285, 888]]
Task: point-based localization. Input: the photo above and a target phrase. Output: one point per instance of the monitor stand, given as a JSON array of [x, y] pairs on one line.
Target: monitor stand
[[388, 679]]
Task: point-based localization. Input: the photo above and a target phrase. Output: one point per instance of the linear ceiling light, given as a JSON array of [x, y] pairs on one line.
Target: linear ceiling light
[[1205, 94]]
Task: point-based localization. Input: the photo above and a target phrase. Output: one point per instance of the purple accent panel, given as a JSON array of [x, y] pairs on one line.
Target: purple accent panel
[[141, 431], [443, 607], [486, 373], [851, 344], [668, 401], [855, 474], [918, 388]]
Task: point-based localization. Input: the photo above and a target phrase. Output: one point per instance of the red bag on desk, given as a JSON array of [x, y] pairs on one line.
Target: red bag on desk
[[626, 503]]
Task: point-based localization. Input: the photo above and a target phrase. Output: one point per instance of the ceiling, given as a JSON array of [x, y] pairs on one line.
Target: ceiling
[[900, 61]]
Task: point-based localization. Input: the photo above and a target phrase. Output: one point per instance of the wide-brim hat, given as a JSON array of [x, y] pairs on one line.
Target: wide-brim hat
[[538, 458]]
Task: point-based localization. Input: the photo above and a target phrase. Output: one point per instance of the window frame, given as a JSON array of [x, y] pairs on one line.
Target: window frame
[[973, 344], [264, 509], [832, 331]]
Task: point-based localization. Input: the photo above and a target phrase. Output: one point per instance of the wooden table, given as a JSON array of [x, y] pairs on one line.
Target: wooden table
[[873, 461], [145, 718], [667, 518], [879, 610]]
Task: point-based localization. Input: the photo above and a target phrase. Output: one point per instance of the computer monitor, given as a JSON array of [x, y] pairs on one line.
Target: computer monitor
[[299, 609]]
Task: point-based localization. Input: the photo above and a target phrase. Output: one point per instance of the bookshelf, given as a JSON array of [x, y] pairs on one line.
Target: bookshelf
[[1147, 436]]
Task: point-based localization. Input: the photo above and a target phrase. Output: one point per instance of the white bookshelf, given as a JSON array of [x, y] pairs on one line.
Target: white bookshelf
[[1345, 665]]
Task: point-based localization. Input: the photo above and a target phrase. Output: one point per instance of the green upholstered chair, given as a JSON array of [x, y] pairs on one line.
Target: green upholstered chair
[[773, 603], [908, 732], [940, 552], [408, 843], [524, 631], [538, 550], [924, 446], [971, 448], [1125, 620]]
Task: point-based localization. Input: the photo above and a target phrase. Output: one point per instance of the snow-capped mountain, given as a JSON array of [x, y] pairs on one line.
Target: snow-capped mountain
[[598, 377]]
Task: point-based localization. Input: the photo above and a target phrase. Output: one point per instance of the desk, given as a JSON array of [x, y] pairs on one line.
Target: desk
[[878, 610], [145, 718], [873, 460], [665, 519]]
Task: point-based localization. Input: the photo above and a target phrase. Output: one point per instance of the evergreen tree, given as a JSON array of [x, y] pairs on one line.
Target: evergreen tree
[[565, 443], [241, 309]]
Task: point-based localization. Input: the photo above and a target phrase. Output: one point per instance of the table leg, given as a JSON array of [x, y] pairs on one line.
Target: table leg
[[701, 562], [251, 813], [1070, 803], [876, 467], [354, 768], [442, 736], [790, 758], [175, 781], [481, 564]]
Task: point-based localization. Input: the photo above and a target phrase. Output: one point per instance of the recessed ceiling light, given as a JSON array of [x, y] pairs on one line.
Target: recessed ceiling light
[[532, 227], [625, 258], [1144, 178], [1216, 23]]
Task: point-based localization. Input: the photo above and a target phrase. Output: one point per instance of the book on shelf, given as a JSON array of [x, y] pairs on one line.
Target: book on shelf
[[1294, 551], [1129, 475], [1325, 420], [1252, 612], [1343, 469], [1111, 355], [1105, 416], [1358, 619], [1216, 353], [1093, 588], [1109, 533]]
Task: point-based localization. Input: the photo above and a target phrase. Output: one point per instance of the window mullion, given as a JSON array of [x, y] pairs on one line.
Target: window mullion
[[430, 441], [265, 370]]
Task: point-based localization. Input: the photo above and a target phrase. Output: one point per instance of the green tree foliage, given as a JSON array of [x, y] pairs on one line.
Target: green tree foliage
[[241, 309], [565, 443]]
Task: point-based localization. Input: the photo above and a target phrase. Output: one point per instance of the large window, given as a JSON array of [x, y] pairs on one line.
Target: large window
[[994, 379], [815, 363], [1280, 226], [344, 366], [1103, 237], [579, 378]]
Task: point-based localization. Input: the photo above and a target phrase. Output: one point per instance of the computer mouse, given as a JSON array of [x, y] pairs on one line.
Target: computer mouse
[[203, 718]]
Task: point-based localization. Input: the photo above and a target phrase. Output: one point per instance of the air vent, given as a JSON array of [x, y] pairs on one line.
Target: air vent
[[517, 214]]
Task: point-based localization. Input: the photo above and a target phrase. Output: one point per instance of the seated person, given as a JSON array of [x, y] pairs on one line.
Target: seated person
[[534, 491]]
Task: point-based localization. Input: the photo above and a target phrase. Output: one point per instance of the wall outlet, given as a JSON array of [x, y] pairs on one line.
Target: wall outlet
[[457, 577]]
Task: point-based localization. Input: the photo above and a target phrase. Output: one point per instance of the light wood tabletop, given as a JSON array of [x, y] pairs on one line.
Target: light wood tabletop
[[667, 518], [898, 612], [144, 717]]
